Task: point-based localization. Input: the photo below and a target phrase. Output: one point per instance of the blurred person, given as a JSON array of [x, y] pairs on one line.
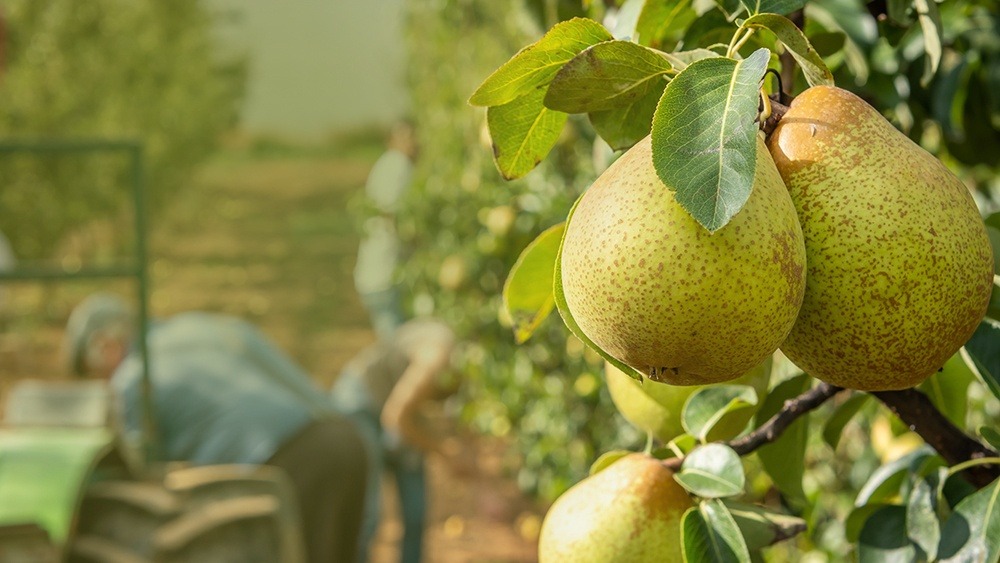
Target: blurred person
[[224, 394], [379, 250], [385, 389], [7, 263]]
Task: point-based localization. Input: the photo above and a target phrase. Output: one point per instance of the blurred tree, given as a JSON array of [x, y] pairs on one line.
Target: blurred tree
[[143, 70], [466, 226]]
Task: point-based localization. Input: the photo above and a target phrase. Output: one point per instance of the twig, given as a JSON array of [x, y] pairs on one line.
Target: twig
[[918, 412], [778, 111], [777, 424]]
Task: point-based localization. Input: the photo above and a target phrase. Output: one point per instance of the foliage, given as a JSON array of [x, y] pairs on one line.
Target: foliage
[[465, 227], [106, 69], [688, 74]]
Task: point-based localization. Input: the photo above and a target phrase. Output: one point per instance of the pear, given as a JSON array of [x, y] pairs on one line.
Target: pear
[[657, 407], [900, 267], [630, 511], [654, 289]]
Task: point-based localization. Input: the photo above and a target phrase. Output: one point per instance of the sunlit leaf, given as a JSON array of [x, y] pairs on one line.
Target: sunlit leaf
[[705, 408], [704, 136], [709, 534], [527, 293], [812, 65], [712, 471], [972, 532], [885, 482], [538, 63], [922, 525], [784, 459], [606, 76], [930, 25], [523, 133]]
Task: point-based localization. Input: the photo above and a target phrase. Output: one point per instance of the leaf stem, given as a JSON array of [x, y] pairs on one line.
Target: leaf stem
[[731, 48], [742, 41]]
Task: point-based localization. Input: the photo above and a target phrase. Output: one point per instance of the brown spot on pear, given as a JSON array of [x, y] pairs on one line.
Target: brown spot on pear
[[654, 289], [630, 511], [900, 268]]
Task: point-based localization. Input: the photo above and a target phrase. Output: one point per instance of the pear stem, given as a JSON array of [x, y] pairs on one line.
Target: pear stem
[[778, 111]]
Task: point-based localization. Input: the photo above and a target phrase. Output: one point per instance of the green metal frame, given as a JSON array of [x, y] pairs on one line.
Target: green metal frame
[[137, 270]]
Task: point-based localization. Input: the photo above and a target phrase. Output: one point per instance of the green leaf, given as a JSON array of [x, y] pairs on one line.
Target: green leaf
[[625, 126], [930, 25], [523, 132], [709, 534], [883, 537], [922, 525], [681, 59], [948, 389], [606, 76], [886, 481], [972, 532], [712, 471], [762, 527], [983, 351], [773, 6], [658, 18], [567, 315], [856, 519], [797, 44], [527, 293], [708, 406], [834, 425], [536, 65], [606, 459], [704, 136], [991, 435], [784, 459]]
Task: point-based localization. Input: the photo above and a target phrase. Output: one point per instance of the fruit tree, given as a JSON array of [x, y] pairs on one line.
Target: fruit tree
[[762, 219]]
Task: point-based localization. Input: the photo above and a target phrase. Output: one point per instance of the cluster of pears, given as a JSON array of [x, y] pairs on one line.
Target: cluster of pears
[[858, 254]]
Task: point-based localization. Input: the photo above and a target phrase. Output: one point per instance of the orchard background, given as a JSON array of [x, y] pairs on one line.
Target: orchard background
[[932, 68]]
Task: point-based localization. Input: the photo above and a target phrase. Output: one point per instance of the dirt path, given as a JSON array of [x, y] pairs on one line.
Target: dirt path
[[270, 239]]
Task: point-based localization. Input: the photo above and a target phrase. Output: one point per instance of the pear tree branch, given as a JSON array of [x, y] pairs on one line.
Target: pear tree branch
[[777, 424], [917, 411], [914, 408]]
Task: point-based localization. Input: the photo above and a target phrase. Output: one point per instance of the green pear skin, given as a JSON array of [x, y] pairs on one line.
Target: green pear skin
[[654, 289], [630, 511], [657, 407], [900, 267]]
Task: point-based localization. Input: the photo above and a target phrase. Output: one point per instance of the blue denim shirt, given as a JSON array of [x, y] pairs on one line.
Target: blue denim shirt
[[221, 392]]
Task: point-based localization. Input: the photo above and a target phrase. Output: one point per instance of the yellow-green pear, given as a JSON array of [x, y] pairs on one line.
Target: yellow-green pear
[[900, 267], [654, 289], [631, 511], [657, 407]]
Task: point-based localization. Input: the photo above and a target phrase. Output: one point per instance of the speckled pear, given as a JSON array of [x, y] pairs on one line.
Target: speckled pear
[[654, 289], [631, 511], [899, 263]]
